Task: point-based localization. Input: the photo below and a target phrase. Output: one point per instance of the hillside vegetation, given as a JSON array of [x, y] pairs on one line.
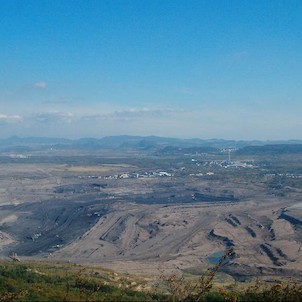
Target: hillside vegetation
[[37, 281], [34, 281]]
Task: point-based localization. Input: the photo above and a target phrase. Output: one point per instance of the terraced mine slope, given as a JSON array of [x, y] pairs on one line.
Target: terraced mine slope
[[139, 213]]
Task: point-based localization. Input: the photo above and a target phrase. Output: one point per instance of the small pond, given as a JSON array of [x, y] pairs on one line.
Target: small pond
[[215, 257]]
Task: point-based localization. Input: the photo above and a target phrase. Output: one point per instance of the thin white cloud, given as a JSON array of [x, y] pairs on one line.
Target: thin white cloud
[[62, 100], [40, 85], [4, 118], [53, 117], [131, 114]]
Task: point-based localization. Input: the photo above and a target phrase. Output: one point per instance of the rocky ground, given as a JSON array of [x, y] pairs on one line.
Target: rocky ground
[[62, 212]]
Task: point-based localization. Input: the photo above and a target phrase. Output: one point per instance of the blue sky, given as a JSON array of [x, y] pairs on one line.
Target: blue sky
[[209, 69]]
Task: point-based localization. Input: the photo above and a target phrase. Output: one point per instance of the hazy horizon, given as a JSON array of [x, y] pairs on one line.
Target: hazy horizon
[[184, 69], [121, 136]]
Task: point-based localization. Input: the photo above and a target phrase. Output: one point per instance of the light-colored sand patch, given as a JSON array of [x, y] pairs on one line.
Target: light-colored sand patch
[[97, 169], [5, 239], [8, 219]]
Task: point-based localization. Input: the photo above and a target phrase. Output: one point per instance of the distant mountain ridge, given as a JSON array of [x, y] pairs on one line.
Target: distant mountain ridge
[[271, 149], [144, 143]]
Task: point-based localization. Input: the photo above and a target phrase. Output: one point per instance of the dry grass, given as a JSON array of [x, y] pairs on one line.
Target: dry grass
[[182, 289]]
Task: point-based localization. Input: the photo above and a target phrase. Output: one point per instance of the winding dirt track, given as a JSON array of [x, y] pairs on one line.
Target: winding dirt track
[[180, 235]]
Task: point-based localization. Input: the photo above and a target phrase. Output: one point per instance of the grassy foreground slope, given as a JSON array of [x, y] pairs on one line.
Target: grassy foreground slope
[[37, 281]]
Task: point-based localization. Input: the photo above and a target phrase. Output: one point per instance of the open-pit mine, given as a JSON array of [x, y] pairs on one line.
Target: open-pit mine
[[142, 211]]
